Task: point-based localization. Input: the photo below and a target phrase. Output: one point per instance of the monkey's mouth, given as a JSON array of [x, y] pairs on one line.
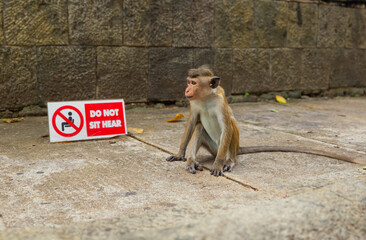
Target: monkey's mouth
[[189, 96]]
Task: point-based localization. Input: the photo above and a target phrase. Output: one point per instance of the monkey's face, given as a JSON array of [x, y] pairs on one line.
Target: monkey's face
[[196, 88]]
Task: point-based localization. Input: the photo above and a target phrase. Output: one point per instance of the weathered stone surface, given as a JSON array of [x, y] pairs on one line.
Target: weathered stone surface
[[33, 110], [124, 189], [356, 30], [193, 23], [270, 20], [6, 114], [204, 56], [224, 68], [2, 39], [234, 23], [348, 68], [35, 22], [251, 70], [291, 69], [147, 23], [302, 25], [332, 26], [95, 22], [315, 69], [168, 72], [285, 69], [67, 73], [18, 82], [220, 61], [122, 73]]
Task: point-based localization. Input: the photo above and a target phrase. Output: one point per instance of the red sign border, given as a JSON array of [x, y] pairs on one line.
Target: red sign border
[[58, 111]]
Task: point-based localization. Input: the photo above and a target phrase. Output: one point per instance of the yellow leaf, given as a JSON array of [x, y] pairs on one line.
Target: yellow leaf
[[177, 117], [311, 107], [12, 120], [136, 130], [280, 99]]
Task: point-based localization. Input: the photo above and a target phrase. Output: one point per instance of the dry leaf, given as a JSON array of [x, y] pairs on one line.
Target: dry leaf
[[152, 128], [280, 99], [136, 130], [177, 117], [311, 107], [12, 120], [274, 110]]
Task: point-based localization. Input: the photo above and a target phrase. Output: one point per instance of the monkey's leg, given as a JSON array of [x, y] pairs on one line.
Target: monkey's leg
[[231, 158], [198, 138], [222, 154], [229, 164], [233, 148]]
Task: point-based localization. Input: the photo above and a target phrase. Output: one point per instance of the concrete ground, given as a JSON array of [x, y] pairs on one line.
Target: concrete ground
[[122, 188]]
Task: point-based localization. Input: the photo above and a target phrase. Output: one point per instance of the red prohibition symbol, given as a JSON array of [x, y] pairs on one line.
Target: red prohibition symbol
[[67, 121]]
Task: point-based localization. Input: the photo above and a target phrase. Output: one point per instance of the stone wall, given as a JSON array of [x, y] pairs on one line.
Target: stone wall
[[140, 50]]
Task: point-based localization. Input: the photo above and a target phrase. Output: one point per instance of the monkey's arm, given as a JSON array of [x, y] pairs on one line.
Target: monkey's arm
[[258, 149], [191, 123]]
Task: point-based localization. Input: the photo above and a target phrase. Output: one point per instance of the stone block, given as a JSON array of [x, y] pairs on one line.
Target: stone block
[[122, 73], [348, 68], [251, 71], [204, 56], [234, 24], [223, 68], [219, 60], [32, 22], [168, 73], [270, 21], [356, 28], [315, 69], [332, 26], [286, 69], [302, 25], [2, 39], [259, 70], [95, 22], [294, 94], [193, 23], [33, 110], [147, 22], [18, 81], [67, 73]]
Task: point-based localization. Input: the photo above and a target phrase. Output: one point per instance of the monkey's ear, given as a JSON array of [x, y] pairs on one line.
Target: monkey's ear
[[214, 82]]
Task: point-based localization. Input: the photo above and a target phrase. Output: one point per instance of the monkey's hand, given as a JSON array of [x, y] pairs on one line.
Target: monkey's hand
[[174, 158]]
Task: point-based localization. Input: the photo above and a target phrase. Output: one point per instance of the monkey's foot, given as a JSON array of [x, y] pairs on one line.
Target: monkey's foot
[[193, 167], [175, 158], [216, 172], [228, 168]]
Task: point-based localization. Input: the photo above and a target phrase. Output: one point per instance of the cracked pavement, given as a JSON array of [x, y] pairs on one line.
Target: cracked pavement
[[123, 187]]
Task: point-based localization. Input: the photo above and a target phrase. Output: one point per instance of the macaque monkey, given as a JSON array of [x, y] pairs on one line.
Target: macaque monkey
[[211, 124]]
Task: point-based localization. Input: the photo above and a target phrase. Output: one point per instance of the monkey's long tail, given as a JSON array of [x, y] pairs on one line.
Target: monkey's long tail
[[259, 149]]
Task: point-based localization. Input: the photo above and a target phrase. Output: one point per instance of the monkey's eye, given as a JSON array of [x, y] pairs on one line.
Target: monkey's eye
[[193, 82]]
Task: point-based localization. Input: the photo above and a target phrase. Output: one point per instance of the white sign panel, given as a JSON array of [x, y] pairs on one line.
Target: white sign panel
[[72, 121]]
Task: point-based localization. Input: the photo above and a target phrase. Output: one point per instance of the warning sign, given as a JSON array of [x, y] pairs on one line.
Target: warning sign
[[71, 121], [104, 119], [60, 122]]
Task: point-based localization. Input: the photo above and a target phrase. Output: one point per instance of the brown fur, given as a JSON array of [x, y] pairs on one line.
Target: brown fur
[[209, 113]]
